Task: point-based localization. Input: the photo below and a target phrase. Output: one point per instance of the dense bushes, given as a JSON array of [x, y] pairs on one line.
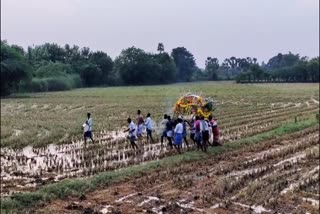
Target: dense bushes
[[59, 83], [14, 68], [283, 68]]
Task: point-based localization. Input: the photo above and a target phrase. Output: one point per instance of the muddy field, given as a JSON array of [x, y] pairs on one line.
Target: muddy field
[[277, 175], [29, 168]]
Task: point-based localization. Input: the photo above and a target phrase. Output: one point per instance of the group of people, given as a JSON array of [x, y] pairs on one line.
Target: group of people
[[202, 131]]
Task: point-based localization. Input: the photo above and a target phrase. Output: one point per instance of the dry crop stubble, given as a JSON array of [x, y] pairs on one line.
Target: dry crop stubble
[[62, 113], [53, 118]]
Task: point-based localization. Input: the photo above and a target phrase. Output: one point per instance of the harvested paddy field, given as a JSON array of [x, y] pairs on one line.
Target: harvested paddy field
[[279, 175], [269, 161]]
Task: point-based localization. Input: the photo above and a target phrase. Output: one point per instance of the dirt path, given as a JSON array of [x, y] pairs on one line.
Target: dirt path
[[278, 175]]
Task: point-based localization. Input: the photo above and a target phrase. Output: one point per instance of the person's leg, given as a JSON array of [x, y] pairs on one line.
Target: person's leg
[[135, 145], [85, 140], [151, 136], [149, 132], [147, 137], [185, 140], [216, 142], [177, 148], [206, 140], [132, 145], [90, 136], [169, 141], [192, 138], [178, 142]]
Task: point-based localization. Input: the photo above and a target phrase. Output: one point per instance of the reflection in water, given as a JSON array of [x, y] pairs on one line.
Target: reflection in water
[[31, 167]]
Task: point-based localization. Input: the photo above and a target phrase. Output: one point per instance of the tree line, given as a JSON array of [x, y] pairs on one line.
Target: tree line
[[50, 67]]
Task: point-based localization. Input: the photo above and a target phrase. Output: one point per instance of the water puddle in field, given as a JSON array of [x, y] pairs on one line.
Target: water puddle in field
[[314, 202], [105, 209], [124, 198], [32, 167], [188, 205], [256, 209], [149, 198], [315, 101]]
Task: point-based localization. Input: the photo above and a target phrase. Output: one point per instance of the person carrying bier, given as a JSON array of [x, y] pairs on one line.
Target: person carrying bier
[[184, 133], [209, 122]]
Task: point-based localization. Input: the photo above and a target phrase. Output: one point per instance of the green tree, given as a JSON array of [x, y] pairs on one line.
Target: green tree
[[313, 68], [14, 68], [132, 65], [160, 48], [185, 63], [105, 64], [168, 68], [212, 65]]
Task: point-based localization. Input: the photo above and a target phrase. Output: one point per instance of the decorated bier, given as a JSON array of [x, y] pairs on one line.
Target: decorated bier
[[190, 105]]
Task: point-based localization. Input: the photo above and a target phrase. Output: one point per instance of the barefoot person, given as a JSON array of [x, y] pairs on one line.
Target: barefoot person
[[140, 123], [192, 130], [169, 131], [204, 133], [178, 135], [163, 125], [149, 127], [132, 129], [87, 126], [184, 133], [215, 132], [197, 135]]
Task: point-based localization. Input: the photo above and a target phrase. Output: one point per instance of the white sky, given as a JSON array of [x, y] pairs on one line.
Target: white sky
[[216, 28]]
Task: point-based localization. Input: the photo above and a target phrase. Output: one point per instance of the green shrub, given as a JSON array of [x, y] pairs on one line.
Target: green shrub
[[38, 85], [53, 69], [58, 84]]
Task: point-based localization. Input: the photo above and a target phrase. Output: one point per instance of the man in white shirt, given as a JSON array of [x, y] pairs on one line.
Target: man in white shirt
[[148, 124], [132, 129], [178, 135], [88, 129]]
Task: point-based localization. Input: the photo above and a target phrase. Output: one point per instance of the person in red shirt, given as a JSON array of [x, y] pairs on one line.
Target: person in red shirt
[[215, 131]]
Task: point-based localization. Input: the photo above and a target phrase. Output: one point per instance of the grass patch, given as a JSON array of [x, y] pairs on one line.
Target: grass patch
[[77, 187]]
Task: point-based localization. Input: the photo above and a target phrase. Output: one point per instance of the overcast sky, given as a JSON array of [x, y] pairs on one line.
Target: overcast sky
[[216, 28]]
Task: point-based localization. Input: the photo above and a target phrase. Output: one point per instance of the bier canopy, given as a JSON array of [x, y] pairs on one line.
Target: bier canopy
[[190, 105]]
